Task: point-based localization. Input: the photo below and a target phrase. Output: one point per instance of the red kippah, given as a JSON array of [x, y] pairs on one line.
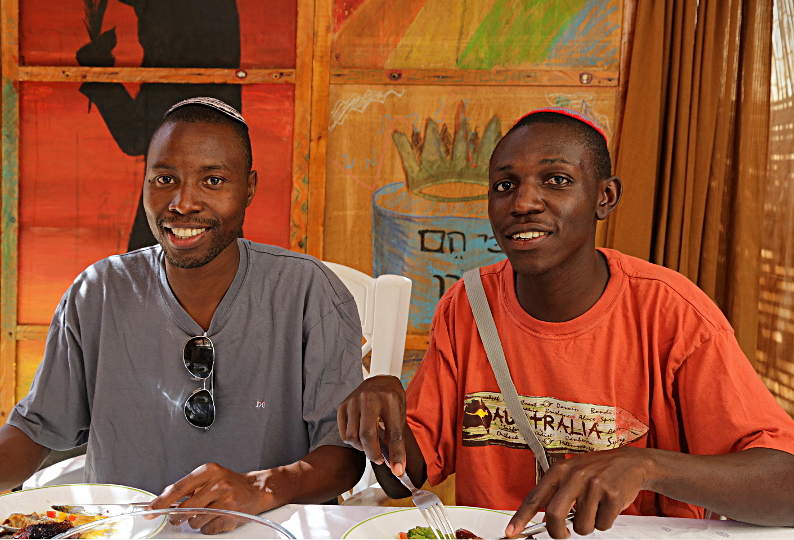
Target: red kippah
[[573, 114]]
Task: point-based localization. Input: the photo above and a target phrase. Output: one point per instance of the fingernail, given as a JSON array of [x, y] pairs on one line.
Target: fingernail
[[509, 530], [399, 469]]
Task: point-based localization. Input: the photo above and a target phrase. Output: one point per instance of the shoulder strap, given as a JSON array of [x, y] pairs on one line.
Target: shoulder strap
[[496, 356]]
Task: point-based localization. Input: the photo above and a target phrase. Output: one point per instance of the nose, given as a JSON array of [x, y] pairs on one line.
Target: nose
[[528, 199], [186, 199]]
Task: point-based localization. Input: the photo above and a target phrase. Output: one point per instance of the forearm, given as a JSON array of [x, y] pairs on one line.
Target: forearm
[[20, 457], [322, 475], [752, 485]]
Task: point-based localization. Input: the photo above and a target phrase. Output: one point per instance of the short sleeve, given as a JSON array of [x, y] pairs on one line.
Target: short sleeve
[[332, 370], [431, 400], [725, 407], [55, 413]]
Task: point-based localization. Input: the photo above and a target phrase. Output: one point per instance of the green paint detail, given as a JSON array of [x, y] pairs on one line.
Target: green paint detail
[[518, 31], [10, 208]]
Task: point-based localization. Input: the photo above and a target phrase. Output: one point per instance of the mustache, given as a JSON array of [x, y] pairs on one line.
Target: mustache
[[171, 223]]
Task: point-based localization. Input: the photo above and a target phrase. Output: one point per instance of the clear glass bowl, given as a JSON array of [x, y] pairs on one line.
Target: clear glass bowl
[[175, 523]]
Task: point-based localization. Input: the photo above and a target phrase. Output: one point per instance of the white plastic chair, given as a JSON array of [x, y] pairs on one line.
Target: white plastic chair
[[383, 304]]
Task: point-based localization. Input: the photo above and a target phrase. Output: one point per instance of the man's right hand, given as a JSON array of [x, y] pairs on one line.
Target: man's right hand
[[375, 411]]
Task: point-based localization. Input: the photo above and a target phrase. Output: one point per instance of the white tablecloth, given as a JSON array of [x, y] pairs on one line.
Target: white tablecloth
[[317, 521]]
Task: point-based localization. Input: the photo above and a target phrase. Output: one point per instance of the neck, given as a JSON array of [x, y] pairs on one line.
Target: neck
[[565, 293], [200, 290]]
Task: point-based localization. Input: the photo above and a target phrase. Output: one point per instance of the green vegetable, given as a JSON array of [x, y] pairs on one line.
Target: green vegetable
[[421, 532]]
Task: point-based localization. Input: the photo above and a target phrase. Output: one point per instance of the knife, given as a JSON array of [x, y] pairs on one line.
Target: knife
[[87, 508]]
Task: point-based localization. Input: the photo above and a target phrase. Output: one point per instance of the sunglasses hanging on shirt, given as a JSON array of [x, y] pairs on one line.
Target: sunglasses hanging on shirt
[[199, 358]]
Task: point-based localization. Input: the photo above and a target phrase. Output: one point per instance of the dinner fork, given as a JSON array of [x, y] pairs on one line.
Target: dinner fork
[[428, 503]]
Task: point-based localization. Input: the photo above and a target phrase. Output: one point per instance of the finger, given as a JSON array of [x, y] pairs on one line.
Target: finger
[[349, 421], [368, 428], [393, 416], [534, 501]]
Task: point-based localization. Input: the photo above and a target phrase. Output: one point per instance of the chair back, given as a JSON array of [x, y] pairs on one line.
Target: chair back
[[383, 305]]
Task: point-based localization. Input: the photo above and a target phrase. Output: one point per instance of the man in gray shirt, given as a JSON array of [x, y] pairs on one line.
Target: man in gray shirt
[[207, 367]]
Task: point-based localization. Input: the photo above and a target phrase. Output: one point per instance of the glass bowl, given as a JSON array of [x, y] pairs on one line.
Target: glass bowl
[[175, 523]]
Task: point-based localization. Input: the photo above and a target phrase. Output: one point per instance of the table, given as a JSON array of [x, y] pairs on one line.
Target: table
[[318, 521]]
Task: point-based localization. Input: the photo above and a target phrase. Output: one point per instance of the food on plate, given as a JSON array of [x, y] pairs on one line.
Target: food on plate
[[427, 532], [48, 524]]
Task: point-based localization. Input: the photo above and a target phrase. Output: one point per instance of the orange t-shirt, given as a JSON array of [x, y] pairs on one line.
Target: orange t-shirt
[[653, 364]]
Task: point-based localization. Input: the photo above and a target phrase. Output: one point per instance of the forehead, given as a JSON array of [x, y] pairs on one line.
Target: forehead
[[196, 141], [542, 141]]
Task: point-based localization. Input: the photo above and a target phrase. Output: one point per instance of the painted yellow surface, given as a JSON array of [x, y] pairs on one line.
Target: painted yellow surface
[[29, 355], [438, 35]]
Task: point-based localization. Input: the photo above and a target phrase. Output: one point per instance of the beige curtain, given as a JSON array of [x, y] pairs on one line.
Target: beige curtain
[[693, 147]]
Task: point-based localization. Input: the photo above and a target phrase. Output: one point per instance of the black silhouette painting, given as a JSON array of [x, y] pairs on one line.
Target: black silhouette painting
[[172, 33]]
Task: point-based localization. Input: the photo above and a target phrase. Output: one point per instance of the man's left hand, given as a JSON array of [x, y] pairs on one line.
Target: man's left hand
[[600, 485], [213, 486]]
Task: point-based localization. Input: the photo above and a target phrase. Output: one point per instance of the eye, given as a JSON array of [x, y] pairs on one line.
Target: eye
[[558, 181], [503, 186], [214, 181], [165, 179]]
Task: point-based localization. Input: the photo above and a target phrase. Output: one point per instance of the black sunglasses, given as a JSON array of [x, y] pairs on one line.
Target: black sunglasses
[[199, 357]]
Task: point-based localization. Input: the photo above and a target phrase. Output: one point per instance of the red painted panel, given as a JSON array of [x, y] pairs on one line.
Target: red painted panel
[[52, 32], [79, 191]]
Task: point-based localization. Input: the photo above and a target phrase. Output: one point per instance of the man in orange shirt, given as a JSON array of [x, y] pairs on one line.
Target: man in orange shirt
[[637, 389]]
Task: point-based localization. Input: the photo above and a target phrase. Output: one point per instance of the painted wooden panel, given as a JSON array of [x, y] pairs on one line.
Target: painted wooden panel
[[407, 174], [79, 191], [160, 33], [29, 354], [486, 34]]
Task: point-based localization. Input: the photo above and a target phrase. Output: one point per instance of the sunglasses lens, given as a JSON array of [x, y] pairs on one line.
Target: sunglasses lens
[[199, 356], [200, 409]]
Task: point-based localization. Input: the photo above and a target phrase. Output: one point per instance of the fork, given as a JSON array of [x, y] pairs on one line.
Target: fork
[[428, 503]]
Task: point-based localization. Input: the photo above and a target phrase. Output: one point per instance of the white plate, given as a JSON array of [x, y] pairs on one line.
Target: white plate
[[481, 521], [39, 500]]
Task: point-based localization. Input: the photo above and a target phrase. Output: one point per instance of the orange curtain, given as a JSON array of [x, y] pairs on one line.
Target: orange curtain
[[693, 147]]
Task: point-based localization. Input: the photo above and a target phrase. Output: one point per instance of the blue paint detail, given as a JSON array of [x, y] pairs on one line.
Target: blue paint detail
[[383, 123], [373, 161], [592, 48], [348, 163], [430, 242]]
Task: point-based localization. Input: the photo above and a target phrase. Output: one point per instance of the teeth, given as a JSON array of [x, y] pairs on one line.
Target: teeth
[[529, 235], [186, 233]]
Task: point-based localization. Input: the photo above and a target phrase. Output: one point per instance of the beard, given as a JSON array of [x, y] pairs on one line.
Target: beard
[[220, 240]]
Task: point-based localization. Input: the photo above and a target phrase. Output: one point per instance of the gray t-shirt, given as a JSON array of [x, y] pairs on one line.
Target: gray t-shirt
[[287, 340]]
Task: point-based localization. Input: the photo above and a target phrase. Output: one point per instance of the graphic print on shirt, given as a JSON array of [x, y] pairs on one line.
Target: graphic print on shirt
[[564, 427]]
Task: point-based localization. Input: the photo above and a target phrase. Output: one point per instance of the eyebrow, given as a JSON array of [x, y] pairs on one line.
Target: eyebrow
[[205, 168], [544, 161]]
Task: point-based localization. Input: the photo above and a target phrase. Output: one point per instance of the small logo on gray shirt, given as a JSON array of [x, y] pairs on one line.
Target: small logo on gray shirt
[[260, 404]]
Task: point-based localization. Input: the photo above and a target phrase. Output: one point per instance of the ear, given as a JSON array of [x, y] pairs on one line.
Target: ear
[[610, 190], [252, 181]]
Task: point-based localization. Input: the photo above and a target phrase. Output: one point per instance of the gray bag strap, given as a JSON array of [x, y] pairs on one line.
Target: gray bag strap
[[496, 356]]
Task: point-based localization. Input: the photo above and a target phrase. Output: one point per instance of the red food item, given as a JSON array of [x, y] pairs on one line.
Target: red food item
[[463, 533], [44, 530]]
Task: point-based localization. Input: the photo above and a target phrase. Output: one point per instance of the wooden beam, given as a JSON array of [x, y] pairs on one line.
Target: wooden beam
[[321, 64], [299, 211], [417, 341], [32, 332], [155, 75], [475, 77], [9, 16]]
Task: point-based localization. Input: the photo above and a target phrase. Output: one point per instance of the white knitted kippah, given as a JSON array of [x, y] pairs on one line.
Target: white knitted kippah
[[212, 103]]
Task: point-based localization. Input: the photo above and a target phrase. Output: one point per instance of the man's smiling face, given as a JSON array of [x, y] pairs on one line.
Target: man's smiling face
[[196, 191], [543, 201]]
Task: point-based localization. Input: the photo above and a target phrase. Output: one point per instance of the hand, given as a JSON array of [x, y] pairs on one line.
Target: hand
[[98, 52], [600, 484], [378, 404], [213, 486]]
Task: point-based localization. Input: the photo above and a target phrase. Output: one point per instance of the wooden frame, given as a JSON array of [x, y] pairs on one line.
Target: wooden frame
[[312, 77]]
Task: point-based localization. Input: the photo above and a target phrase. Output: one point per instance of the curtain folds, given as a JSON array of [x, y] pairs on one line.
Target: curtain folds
[[693, 148]]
